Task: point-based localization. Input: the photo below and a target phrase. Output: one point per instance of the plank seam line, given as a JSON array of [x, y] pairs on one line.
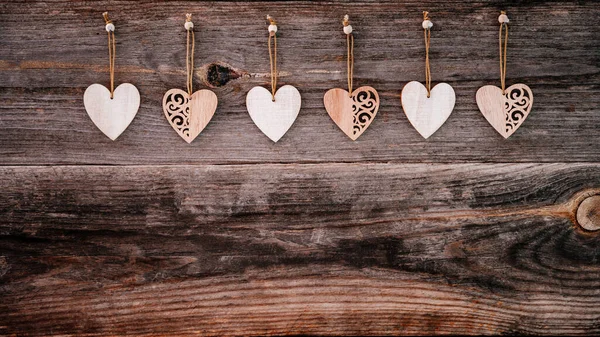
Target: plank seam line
[[303, 163]]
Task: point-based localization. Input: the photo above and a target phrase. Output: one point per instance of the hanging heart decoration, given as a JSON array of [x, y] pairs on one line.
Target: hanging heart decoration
[[505, 108], [427, 114], [189, 115], [189, 112], [111, 115], [505, 112], [352, 113], [274, 117], [111, 110]]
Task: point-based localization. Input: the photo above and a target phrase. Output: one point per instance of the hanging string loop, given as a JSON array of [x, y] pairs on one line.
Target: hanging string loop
[[189, 52], [350, 50], [427, 24], [503, 19], [110, 30], [273, 55]]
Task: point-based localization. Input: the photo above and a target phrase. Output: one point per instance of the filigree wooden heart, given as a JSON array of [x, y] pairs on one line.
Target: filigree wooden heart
[[352, 113], [189, 115], [505, 112]]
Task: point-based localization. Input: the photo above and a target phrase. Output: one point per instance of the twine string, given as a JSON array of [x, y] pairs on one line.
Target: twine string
[[503, 25], [111, 54], [350, 63], [273, 59], [427, 36], [189, 55], [350, 56]]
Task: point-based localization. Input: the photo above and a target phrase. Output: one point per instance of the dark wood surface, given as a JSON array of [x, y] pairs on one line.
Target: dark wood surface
[[464, 233]]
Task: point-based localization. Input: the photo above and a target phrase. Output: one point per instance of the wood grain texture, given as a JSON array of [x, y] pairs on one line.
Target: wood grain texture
[[298, 249], [45, 72], [463, 233]]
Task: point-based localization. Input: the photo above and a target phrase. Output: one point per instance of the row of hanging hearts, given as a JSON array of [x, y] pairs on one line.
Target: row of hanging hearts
[[275, 111], [353, 113]]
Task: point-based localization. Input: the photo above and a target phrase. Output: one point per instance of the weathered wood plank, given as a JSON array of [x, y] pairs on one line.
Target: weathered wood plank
[[51, 51], [298, 249]]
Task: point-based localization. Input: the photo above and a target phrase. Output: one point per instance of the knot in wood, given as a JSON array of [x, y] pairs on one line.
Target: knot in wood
[[588, 213], [217, 74]]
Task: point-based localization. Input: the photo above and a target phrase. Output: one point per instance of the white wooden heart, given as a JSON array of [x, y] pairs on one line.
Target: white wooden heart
[[427, 114], [189, 115], [112, 115], [505, 112], [273, 118]]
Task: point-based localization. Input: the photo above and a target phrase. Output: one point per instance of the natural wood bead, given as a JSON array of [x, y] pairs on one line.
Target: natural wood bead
[[588, 213]]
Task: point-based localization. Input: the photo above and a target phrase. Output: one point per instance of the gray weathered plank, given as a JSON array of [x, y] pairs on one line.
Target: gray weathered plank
[[51, 51], [387, 235], [297, 249]]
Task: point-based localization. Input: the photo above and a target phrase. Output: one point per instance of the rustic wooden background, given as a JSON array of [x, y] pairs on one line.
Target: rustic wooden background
[[233, 235]]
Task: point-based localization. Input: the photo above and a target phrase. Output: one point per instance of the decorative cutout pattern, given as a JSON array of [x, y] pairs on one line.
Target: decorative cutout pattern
[[519, 99], [177, 111], [364, 108]]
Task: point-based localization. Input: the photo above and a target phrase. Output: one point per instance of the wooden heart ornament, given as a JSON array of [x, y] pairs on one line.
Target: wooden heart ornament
[[273, 118], [352, 113], [112, 115], [189, 115], [505, 112], [427, 114]]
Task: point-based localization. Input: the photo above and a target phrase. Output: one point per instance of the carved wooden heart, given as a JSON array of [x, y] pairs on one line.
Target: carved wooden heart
[[352, 113], [111, 115], [505, 112], [427, 114], [274, 118], [189, 115]]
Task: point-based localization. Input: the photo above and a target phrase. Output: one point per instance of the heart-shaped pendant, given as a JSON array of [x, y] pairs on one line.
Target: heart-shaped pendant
[[189, 115], [505, 112], [273, 118], [112, 115], [427, 114], [352, 113]]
